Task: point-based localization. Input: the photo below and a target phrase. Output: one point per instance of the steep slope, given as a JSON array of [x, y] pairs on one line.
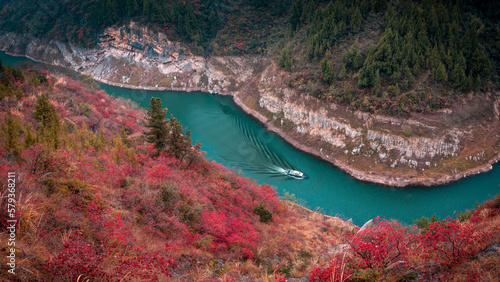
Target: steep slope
[[91, 200]]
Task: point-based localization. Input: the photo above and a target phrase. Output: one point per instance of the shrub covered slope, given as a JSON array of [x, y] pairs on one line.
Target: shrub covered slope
[[95, 200]]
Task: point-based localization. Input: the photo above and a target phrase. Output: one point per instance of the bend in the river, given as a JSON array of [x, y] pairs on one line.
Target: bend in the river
[[238, 141]]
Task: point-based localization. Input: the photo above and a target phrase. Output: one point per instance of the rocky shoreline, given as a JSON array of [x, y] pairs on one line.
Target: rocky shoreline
[[357, 174], [362, 175], [367, 147]]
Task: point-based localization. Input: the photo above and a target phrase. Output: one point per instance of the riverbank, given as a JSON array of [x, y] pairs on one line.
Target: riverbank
[[428, 149], [363, 175], [352, 171]]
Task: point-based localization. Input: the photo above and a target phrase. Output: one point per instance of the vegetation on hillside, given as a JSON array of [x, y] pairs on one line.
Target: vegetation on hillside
[[427, 55], [96, 199], [389, 57]]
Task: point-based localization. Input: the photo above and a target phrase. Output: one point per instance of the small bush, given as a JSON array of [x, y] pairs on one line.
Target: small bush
[[264, 213], [305, 254]]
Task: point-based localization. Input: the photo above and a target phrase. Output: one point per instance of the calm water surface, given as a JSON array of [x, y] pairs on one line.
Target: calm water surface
[[233, 138]]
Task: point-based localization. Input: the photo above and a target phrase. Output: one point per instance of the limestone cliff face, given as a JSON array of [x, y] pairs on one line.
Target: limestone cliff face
[[412, 152], [133, 56]]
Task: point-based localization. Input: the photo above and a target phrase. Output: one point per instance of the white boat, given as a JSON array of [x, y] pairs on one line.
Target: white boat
[[295, 173]]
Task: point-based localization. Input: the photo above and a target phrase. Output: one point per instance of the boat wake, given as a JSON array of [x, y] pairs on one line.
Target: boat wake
[[255, 149]]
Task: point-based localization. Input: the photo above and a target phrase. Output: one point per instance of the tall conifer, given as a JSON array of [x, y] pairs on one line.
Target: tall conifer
[[157, 124]]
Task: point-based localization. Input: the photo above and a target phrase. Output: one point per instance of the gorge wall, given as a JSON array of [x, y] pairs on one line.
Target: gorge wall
[[426, 149]]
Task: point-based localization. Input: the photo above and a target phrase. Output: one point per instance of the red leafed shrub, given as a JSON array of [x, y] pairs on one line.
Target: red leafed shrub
[[147, 266], [229, 231], [493, 206], [450, 242], [159, 172], [279, 277], [215, 224], [81, 258], [381, 245], [78, 258], [239, 45], [337, 270]]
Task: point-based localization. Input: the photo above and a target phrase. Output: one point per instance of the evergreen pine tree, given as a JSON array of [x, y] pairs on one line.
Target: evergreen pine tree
[[356, 20], [296, 14], [46, 113], [353, 58], [157, 124], [327, 71], [440, 74], [343, 72], [146, 8], [131, 7], [286, 59], [179, 144], [396, 90], [29, 139], [10, 134], [367, 73], [123, 137], [458, 73]]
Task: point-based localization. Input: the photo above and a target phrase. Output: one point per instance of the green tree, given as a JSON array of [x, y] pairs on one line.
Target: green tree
[[327, 71], [356, 20], [440, 74], [29, 139], [377, 87], [10, 134], [396, 90], [458, 73], [131, 7], [367, 72], [213, 22], [296, 14], [179, 143], [435, 58], [343, 72], [146, 8], [379, 5], [286, 60], [157, 124], [124, 137], [353, 58], [478, 66], [46, 113]]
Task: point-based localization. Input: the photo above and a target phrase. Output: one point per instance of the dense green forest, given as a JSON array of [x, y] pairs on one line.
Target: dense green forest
[[393, 57], [426, 56]]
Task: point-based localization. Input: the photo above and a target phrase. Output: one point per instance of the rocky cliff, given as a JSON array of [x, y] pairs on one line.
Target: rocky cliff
[[427, 149]]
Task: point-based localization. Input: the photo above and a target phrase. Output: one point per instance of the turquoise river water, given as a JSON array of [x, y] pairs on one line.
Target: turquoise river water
[[235, 139]]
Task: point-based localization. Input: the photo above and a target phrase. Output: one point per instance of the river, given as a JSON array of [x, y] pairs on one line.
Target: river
[[235, 139]]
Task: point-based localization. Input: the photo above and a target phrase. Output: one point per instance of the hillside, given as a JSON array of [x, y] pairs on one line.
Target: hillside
[[88, 186], [94, 201], [389, 57]]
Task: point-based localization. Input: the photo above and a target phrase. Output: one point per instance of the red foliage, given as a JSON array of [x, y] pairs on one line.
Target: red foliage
[[450, 242], [382, 244], [239, 45], [80, 258], [337, 270]]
